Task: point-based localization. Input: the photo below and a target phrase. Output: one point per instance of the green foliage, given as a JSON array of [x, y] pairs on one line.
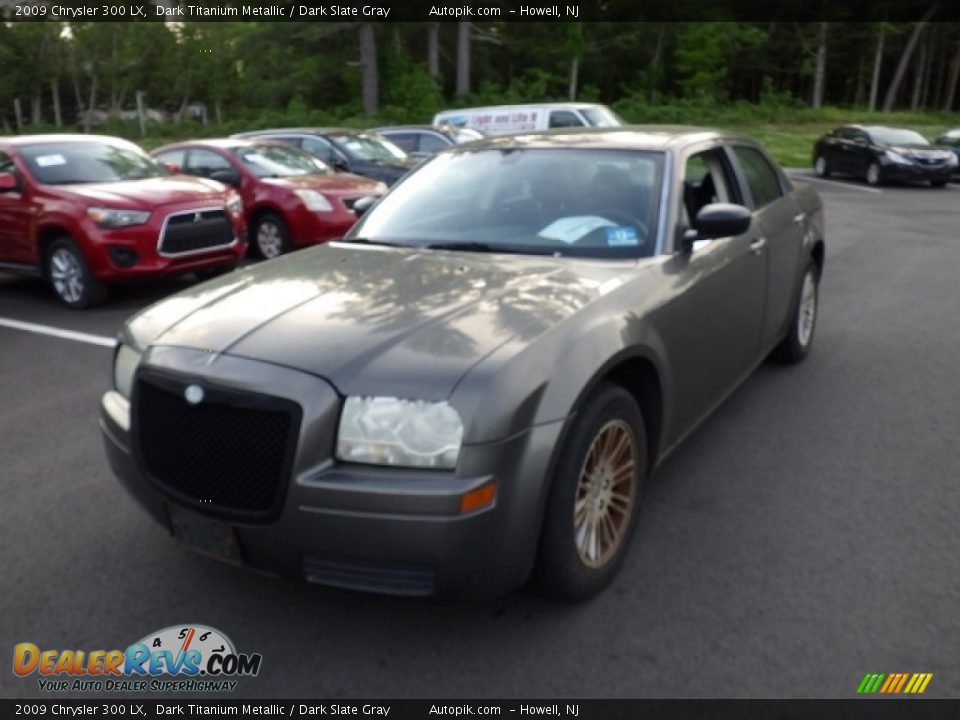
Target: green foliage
[[706, 52]]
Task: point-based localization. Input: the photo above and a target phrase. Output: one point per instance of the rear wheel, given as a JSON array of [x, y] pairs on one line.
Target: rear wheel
[[270, 236], [874, 174], [594, 498], [796, 345], [70, 276]]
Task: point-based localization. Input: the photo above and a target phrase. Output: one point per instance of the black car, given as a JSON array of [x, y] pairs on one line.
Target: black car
[[880, 154], [424, 140], [950, 140], [356, 151]]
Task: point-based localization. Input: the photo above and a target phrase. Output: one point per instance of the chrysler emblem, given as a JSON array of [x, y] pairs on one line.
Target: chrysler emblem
[[193, 394]]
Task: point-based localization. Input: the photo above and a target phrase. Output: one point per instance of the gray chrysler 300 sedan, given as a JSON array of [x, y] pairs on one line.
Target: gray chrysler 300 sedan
[[471, 387]]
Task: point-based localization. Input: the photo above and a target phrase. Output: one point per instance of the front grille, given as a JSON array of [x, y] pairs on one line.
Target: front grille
[[230, 454], [381, 578], [929, 160], [195, 231]]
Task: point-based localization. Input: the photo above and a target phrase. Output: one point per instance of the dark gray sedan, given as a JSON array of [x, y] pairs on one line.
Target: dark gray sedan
[[473, 385]]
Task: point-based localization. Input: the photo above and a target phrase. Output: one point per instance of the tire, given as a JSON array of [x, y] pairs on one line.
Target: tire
[[569, 566], [938, 183], [269, 236], [69, 275], [803, 320], [874, 174], [821, 167]]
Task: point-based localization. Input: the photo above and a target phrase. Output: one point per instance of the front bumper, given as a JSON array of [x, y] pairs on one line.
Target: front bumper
[[918, 173], [368, 528]]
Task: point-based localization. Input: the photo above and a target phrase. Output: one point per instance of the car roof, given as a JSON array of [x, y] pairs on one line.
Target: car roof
[[304, 131], [624, 137], [222, 143], [17, 140], [430, 128], [556, 105]]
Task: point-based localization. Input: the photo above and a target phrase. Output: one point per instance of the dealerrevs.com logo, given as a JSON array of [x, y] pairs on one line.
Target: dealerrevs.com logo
[[178, 658]]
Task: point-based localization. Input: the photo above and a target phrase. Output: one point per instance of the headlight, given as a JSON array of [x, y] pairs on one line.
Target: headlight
[[234, 205], [952, 159], [389, 431], [315, 201], [381, 188], [897, 158], [113, 218], [124, 367]]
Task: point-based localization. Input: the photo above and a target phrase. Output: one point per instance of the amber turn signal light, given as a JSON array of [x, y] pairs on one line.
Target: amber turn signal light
[[479, 498]]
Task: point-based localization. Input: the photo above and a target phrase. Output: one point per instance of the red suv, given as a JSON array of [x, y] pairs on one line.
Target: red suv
[[290, 197], [83, 211]]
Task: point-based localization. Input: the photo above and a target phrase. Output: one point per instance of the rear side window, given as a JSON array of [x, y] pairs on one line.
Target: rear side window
[[762, 179], [172, 159], [565, 118], [406, 141], [318, 147], [205, 162], [430, 143]]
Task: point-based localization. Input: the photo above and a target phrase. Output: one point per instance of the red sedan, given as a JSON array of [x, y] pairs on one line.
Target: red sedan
[[83, 211], [291, 199]]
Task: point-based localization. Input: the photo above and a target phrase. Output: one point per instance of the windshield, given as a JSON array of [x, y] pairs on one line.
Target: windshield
[[601, 117], [369, 147], [595, 203], [273, 160], [74, 163], [897, 136]]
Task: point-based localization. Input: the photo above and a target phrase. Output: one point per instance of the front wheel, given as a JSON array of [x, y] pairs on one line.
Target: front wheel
[[874, 174], [270, 236], [70, 276], [594, 498], [796, 345]]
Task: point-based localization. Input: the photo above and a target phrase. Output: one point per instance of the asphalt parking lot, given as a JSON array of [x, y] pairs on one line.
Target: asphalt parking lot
[[805, 535]]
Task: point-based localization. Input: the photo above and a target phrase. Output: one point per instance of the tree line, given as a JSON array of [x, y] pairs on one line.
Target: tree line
[[72, 74]]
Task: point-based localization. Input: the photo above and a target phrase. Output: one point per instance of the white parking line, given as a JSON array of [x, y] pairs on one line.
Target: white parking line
[[838, 182], [83, 337]]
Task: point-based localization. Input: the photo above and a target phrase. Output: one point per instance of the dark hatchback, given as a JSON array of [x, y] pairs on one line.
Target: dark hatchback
[[882, 154], [354, 151]]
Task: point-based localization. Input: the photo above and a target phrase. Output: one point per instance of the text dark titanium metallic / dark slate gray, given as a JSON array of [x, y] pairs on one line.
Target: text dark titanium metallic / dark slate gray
[[474, 385]]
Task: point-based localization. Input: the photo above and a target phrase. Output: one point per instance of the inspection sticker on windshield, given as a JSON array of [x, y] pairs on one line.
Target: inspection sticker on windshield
[[625, 236], [51, 160], [571, 229]]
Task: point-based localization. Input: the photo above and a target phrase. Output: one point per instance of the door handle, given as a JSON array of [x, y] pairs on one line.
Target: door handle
[[798, 219], [756, 247]]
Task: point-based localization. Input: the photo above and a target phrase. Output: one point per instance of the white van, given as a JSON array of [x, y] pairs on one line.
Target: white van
[[501, 119]]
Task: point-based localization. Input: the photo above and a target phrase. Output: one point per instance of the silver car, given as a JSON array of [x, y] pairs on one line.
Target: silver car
[[473, 385]]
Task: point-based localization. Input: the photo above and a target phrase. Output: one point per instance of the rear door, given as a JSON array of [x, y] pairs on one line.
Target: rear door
[[782, 224], [16, 216]]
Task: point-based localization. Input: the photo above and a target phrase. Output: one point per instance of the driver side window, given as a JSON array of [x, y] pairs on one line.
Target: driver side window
[[706, 180], [205, 162]]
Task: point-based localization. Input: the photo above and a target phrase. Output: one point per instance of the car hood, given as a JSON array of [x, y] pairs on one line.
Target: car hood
[[335, 184], [377, 320], [148, 193]]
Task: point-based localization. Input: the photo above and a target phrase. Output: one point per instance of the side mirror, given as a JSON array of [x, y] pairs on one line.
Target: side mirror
[[364, 204], [172, 167], [339, 164], [227, 177], [718, 220], [8, 181]]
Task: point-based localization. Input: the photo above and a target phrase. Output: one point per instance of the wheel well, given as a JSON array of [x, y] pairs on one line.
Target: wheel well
[[44, 240], [639, 377], [259, 213], [817, 253]]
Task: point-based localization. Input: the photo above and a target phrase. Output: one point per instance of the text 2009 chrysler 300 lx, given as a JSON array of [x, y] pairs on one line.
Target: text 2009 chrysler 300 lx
[[475, 383]]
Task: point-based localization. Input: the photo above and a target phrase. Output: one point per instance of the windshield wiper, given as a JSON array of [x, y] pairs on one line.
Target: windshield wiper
[[485, 247], [371, 241]]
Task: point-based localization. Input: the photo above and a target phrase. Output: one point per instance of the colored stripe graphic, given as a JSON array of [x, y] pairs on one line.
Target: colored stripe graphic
[[894, 683]]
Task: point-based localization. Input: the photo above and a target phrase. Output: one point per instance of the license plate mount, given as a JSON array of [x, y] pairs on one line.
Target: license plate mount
[[205, 535]]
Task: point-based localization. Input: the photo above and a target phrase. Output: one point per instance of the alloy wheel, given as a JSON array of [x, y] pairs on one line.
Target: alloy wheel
[[807, 315], [606, 493], [66, 275], [269, 240]]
